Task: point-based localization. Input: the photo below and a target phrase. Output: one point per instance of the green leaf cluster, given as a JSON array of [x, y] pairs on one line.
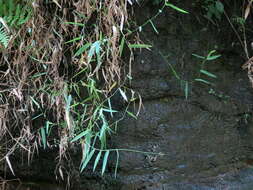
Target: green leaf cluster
[[4, 37], [13, 13], [214, 9]]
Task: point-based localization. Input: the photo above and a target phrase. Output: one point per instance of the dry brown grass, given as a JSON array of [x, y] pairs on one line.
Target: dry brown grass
[[38, 66]]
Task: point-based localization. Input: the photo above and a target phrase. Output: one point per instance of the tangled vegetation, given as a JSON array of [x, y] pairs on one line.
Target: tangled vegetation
[[61, 64]]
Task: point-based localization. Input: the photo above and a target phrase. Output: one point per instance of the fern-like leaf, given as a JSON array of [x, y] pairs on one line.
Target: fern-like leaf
[[4, 37], [15, 13]]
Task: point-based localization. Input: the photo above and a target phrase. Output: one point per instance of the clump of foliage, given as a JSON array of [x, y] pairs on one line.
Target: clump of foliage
[[60, 75], [13, 14], [44, 104], [214, 9], [202, 76]]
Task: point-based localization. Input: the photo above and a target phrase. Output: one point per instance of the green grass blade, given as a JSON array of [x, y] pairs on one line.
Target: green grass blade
[[153, 26], [87, 159], [105, 161], [123, 94], [198, 56], [74, 40], [139, 46], [95, 48], [204, 81], [176, 8], [96, 161], [213, 57], [35, 102], [82, 49], [117, 164], [43, 137], [131, 114], [82, 134], [109, 110], [174, 72], [186, 90], [208, 73], [75, 23], [122, 44]]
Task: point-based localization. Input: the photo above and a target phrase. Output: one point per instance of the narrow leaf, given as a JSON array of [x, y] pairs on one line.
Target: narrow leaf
[[219, 6], [43, 137], [109, 110], [139, 46], [208, 73], [202, 80], [152, 24], [82, 49], [82, 134], [186, 90], [9, 164], [110, 106], [96, 161], [123, 94], [131, 114], [210, 58], [122, 44], [73, 40], [75, 23], [105, 161], [174, 72], [47, 126], [86, 161], [198, 56], [176, 8], [117, 164], [247, 10], [95, 48]]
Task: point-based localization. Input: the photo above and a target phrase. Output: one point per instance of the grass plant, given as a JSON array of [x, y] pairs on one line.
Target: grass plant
[[60, 67]]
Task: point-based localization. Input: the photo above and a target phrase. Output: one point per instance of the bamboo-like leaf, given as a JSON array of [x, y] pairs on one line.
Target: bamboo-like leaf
[[82, 49], [208, 73], [153, 26], [110, 106], [213, 57], [9, 164], [74, 39], [39, 74], [117, 164], [43, 137], [47, 127], [123, 94], [96, 161], [176, 8], [122, 44], [82, 134], [186, 90], [105, 161], [109, 110], [95, 48], [35, 102], [219, 6], [247, 10], [202, 80], [198, 56], [75, 23], [174, 72], [102, 134], [131, 114], [139, 46], [87, 159]]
